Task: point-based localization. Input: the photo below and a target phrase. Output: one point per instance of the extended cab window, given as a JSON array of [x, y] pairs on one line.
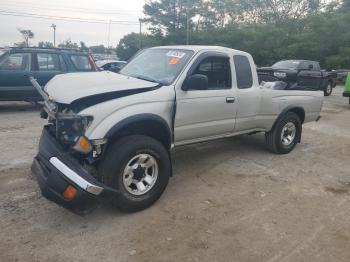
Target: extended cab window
[[244, 74], [48, 62], [17, 61], [218, 71]]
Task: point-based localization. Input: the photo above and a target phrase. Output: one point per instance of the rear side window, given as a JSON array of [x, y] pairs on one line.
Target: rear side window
[[305, 65], [243, 72], [17, 62], [81, 62], [316, 66], [48, 62]]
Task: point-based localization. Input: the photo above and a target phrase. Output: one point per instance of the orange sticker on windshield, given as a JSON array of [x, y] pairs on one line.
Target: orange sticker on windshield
[[174, 61]]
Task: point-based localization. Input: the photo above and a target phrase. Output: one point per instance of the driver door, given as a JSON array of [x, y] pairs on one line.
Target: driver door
[[309, 77], [209, 113]]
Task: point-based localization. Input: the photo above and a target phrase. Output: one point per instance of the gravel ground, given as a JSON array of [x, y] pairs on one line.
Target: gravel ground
[[229, 200]]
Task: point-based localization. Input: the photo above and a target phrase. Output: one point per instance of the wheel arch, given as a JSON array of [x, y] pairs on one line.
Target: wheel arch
[[299, 111], [143, 124], [333, 82]]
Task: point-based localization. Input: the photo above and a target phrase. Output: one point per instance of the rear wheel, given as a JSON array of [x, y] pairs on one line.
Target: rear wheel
[[328, 89], [139, 167], [285, 135]]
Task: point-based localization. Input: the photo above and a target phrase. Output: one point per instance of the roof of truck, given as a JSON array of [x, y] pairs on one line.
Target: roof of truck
[[197, 48]]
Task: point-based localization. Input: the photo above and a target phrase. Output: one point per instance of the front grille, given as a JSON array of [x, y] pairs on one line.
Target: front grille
[[265, 72]]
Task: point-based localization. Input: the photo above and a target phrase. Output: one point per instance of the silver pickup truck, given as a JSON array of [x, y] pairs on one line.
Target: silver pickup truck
[[109, 136]]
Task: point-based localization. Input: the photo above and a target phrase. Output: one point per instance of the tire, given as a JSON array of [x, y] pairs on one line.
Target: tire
[[328, 89], [279, 144], [118, 169]]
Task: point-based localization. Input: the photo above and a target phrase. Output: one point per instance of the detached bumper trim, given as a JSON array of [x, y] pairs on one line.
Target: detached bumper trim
[[74, 177], [346, 94]]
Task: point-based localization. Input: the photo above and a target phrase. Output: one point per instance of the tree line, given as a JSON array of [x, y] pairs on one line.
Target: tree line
[[28, 34], [270, 30]]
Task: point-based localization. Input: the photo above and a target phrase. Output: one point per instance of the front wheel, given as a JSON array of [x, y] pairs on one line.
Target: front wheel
[[328, 89], [285, 134], [139, 167]]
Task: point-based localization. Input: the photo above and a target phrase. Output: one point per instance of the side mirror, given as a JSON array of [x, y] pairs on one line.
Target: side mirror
[[196, 82], [311, 67]]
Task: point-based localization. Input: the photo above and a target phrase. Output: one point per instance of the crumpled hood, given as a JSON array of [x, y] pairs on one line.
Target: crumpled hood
[[67, 88]]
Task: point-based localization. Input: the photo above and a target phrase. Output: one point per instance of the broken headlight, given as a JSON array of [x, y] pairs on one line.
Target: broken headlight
[[70, 127]]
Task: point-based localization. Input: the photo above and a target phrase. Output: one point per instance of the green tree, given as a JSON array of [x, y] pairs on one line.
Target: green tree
[[166, 15], [68, 44], [45, 44], [293, 29], [345, 5], [277, 11], [83, 47], [130, 44], [98, 49], [26, 35], [170, 16]]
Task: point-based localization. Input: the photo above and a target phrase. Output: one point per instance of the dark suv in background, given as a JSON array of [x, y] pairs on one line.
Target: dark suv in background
[[16, 64]]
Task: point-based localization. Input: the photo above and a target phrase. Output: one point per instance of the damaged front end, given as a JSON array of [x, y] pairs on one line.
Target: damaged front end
[[69, 129], [66, 163]]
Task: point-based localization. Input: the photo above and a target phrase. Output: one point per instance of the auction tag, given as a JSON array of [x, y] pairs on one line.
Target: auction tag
[[174, 61], [177, 54]]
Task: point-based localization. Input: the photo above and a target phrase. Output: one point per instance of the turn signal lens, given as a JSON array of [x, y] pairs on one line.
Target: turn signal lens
[[83, 145], [69, 193]]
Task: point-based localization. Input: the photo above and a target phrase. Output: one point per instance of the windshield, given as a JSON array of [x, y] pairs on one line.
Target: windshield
[[2, 51], [158, 65], [293, 64]]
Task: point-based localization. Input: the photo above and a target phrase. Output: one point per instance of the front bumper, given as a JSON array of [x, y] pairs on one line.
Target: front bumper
[[56, 169]]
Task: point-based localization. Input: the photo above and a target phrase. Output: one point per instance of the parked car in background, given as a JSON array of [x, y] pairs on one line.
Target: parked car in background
[[111, 65], [17, 64], [341, 75], [300, 75], [98, 57]]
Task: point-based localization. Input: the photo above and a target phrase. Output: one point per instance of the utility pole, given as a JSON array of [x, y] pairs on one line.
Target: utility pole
[[54, 34], [140, 34], [109, 33], [187, 24]]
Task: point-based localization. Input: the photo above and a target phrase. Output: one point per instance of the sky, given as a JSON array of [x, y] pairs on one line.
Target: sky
[[96, 14]]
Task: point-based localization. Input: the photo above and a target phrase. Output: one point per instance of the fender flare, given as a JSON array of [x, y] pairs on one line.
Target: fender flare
[[138, 118]]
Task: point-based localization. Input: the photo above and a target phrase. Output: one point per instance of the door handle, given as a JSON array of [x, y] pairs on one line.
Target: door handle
[[230, 99]]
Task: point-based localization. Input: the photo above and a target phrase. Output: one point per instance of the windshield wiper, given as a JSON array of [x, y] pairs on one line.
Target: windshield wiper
[[146, 78]]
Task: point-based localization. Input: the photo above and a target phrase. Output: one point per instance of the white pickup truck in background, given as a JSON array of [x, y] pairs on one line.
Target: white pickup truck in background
[[109, 136]]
